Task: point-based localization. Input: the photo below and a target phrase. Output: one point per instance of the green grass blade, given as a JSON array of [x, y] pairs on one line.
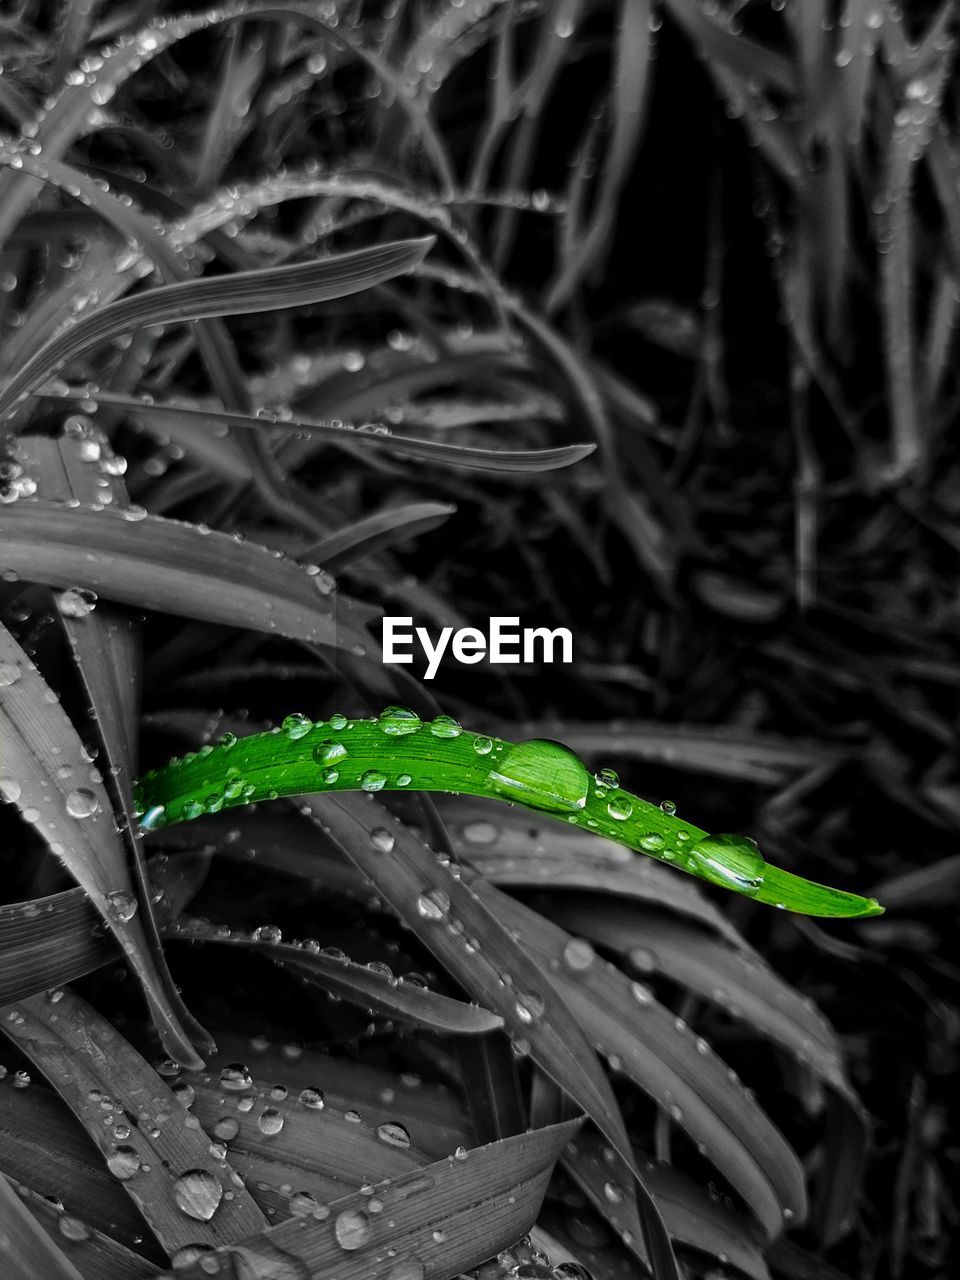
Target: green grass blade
[[397, 752]]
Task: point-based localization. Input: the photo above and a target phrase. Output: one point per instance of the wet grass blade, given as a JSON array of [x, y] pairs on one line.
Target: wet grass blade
[[154, 563], [240, 293], [467, 457], [28, 1251], [738, 981], [105, 644], [374, 754], [151, 1143], [96, 1256], [437, 1221], [362, 538], [47, 942], [663, 1057], [354, 982], [48, 775]]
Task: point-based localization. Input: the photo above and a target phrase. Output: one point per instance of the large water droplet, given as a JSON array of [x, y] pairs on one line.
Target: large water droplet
[[433, 905], [445, 727], [198, 1194], [373, 780], [620, 806], [9, 790], [543, 774], [398, 721], [352, 1229], [312, 1099], [296, 725], [73, 1228], [9, 674], [329, 753], [82, 803], [76, 602], [729, 860], [578, 954], [393, 1134], [122, 906], [270, 1121], [235, 1078], [124, 1163], [382, 839]]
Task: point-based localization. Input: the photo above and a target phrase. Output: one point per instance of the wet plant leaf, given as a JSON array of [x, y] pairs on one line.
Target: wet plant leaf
[[372, 755]]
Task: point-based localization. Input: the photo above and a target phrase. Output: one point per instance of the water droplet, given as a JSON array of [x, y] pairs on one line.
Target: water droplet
[[373, 780], [652, 841], [729, 860], [398, 721], [668, 807], [642, 994], [76, 602], [122, 906], [312, 1099], [235, 1078], [227, 740], [9, 790], [393, 1134], [445, 727], [612, 1193], [643, 959], [268, 933], [198, 1194], [480, 832], [124, 1163], [82, 803], [482, 745], [578, 954], [434, 904], [543, 774], [296, 725], [226, 1128], [620, 806], [352, 1229], [529, 1008], [606, 780], [382, 839], [304, 1205], [72, 1228], [329, 753], [9, 674], [270, 1121]]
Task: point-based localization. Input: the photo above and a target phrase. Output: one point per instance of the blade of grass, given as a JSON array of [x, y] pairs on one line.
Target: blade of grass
[[242, 292], [153, 563], [164, 1158], [407, 1003], [371, 755], [28, 1251], [435, 1222], [50, 775]]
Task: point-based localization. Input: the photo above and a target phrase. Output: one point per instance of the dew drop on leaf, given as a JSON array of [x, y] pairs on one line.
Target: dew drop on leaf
[[398, 721], [198, 1194], [72, 1228], [445, 727], [226, 1128], [82, 803], [235, 1078], [9, 674], [407, 1269], [543, 774], [434, 904], [76, 602], [482, 745], [270, 1121], [620, 807], [9, 790], [578, 954], [329, 753], [393, 1134], [296, 725], [312, 1099], [382, 839], [124, 1162], [373, 780], [121, 906], [352, 1229], [729, 860]]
